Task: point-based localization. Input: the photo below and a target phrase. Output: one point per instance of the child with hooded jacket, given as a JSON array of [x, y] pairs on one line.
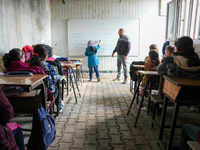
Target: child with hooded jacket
[[93, 61], [11, 135]]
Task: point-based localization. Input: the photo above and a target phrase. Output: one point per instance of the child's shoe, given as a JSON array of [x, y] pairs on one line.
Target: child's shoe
[[90, 80], [98, 79]]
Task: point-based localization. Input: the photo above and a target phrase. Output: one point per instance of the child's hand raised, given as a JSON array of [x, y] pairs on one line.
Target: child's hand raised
[[100, 41]]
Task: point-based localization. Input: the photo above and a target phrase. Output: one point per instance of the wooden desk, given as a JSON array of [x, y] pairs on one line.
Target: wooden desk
[[70, 71], [149, 75], [27, 82], [181, 92]]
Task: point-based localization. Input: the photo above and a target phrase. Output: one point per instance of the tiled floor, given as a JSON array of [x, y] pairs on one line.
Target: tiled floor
[[99, 120]]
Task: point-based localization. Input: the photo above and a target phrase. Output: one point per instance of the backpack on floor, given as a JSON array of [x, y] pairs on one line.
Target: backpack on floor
[[43, 130]]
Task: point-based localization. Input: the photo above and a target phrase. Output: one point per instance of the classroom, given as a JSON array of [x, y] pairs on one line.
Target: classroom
[[100, 74]]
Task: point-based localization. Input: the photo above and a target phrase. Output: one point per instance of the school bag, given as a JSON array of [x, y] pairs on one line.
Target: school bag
[[43, 130], [58, 64], [133, 75]]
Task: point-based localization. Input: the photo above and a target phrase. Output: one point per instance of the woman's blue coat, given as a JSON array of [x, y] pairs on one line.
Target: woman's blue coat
[[92, 57]]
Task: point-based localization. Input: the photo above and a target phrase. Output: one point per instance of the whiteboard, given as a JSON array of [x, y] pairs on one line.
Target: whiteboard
[[80, 31]]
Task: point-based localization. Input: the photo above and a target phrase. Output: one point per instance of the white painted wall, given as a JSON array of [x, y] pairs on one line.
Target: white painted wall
[[24, 22], [152, 26]]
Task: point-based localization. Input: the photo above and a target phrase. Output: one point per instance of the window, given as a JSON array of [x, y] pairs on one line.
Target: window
[[171, 21], [163, 7], [190, 19]]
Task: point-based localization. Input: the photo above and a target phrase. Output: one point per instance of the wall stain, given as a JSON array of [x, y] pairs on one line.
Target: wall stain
[[39, 23]]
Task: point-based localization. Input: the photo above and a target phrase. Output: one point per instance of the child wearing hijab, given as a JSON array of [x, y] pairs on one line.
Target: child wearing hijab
[[15, 61], [93, 61], [28, 50]]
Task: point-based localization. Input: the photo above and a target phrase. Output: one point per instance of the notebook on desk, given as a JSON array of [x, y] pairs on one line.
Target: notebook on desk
[[19, 73]]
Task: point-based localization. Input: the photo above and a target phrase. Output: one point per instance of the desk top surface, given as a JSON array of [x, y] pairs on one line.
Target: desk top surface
[[68, 65], [153, 73], [25, 81], [76, 59], [138, 66], [78, 63], [183, 82]]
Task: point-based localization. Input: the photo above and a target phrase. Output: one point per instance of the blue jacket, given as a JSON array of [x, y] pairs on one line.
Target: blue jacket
[[164, 47], [92, 57]]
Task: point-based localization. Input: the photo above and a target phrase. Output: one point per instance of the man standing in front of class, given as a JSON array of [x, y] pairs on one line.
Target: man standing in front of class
[[122, 48]]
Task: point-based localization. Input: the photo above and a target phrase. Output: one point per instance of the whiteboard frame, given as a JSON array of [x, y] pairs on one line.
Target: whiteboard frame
[[106, 55]]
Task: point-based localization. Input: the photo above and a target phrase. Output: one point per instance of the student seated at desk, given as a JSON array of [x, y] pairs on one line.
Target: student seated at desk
[[11, 135], [185, 63], [168, 52], [15, 61], [151, 65], [152, 47], [39, 59]]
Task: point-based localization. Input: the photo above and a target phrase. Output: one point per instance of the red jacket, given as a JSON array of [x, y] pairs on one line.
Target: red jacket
[[21, 66], [7, 139]]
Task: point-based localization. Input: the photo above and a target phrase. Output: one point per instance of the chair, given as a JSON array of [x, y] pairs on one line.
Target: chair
[[60, 83]]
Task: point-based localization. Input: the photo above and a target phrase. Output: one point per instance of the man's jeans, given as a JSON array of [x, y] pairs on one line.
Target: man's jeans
[[120, 62]]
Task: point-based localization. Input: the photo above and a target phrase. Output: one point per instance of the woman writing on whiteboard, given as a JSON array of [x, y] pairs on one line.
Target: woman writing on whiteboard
[[93, 61]]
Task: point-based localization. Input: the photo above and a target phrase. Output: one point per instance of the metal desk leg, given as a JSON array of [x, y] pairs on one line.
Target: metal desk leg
[[131, 85], [68, 81], [58, 98], [138, 84], [76, 83], [77, 78], [162, 123], [175, 115], [71, 80], [141, 102], [149, 97], [134, 95], [62, 89], [79, 74], [81, 71]]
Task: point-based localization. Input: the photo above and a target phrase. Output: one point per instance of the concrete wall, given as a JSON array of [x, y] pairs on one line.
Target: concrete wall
[[152, 26], [24, 22]]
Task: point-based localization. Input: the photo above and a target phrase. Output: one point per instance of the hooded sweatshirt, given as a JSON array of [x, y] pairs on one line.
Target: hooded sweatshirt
[[92, 57]]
